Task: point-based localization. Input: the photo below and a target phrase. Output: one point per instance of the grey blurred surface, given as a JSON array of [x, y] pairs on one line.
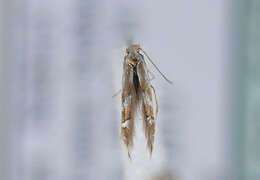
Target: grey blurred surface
[[252, 128], [61, 63]]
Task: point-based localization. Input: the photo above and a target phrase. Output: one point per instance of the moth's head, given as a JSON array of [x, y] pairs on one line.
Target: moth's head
[[133, 49]]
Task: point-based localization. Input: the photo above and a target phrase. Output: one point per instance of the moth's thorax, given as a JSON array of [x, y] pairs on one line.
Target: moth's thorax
[[133, 62], [133, 55]]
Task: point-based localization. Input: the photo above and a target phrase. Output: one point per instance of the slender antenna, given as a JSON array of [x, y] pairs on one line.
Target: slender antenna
[[156, 67]]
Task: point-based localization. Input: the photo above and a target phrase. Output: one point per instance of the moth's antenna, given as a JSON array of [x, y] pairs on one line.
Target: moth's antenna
[[156, 67]]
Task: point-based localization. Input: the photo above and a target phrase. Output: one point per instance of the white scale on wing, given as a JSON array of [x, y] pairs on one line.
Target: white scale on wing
[[150, 120], [125, 124]]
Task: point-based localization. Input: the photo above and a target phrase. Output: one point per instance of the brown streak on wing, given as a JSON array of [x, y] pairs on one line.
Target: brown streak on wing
[[148, 112], [129, 106]]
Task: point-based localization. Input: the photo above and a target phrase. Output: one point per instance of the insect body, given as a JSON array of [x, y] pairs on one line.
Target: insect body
[[137, 94]]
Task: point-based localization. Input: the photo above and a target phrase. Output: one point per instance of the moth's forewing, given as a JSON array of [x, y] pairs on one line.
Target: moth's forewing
[[129, 105], [147, 104]]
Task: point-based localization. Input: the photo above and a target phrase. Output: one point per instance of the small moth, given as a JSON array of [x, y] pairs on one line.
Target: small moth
[[137, 95]]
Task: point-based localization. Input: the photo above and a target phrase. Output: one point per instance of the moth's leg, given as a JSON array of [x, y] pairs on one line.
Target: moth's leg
[[117, 93], [153, 76]]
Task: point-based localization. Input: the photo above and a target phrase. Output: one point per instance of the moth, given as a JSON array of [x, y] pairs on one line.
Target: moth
[[138, 95]]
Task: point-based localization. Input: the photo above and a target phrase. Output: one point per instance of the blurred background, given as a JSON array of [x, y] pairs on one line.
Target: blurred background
[[61, 62]]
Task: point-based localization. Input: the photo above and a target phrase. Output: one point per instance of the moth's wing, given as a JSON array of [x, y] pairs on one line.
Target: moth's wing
[[128, 98], [149, 104]]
